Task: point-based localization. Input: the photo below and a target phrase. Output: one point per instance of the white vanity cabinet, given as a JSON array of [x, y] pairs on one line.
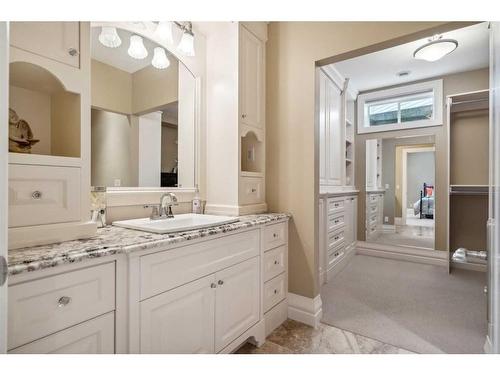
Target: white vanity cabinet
[[59, 41]]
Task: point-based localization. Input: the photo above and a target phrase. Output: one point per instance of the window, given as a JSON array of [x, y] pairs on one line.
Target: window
[[404, 107]]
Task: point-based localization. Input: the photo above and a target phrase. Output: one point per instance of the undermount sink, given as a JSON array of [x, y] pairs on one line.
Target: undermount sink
[[179, 223]]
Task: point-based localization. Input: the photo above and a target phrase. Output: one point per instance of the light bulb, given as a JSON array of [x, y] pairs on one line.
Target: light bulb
[[186, 45], [109, 37], [160, 59], [137, 49], [164, 31]]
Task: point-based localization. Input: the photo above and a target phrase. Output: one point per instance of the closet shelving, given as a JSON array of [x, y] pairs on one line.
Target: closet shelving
[[468, 137], [349, 139]]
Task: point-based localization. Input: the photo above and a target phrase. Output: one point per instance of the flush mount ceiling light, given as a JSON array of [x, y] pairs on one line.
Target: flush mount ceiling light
[[186, 45], [109, 37], [436, 48], [137, 49], [160, 59], [164, 32]]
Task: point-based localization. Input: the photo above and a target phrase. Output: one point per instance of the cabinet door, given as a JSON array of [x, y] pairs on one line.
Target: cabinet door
[[181, 320], [251, 79], [335, 135], [348, 230], [58, 41], [237, 301], [96, 336]]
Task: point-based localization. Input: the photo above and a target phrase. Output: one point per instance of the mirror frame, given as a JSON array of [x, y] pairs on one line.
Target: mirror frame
[[127, 196]]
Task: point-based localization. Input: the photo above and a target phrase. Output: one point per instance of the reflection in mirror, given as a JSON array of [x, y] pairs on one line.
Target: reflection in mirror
[[400, 191], [143, 115]]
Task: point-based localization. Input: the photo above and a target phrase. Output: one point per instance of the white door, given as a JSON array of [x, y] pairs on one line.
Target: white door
[[181, 320], [58, 41], [237, 301], [251, 79], [494, 228], [4, 104]]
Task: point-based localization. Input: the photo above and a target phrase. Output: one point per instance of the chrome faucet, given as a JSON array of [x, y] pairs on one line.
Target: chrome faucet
[[163, 211]]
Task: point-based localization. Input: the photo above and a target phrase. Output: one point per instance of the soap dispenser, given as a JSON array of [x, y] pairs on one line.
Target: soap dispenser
[[196, 204]]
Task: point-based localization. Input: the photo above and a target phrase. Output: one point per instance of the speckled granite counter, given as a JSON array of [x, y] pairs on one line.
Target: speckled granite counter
[[114, 240]]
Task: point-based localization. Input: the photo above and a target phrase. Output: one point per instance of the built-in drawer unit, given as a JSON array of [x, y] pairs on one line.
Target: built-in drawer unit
[[274, 235], [251, 190], [95, 336], [44, 306], [335, 254], [335, 205], [274, 262], [274, 291], [168, 269], [335, 239], [335, 222], [43, 195]]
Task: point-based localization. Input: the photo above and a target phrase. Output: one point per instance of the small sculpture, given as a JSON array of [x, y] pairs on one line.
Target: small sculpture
[[20, 134]]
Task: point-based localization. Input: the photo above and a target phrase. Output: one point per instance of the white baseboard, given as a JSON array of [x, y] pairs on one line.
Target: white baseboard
[[410, 254], [305, 310]]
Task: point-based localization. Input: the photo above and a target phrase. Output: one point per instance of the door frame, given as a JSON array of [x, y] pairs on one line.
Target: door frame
[[4, 106], [404, 182]]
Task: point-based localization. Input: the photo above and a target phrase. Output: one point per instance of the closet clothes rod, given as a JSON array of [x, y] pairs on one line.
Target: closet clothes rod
[[469, 190], [470, 101]]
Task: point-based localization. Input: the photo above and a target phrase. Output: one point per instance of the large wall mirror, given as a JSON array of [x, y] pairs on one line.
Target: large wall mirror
[[400, 191], [143, 121]]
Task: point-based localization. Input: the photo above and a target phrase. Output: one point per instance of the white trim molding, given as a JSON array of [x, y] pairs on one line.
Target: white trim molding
[[391, 94], [305, 310]]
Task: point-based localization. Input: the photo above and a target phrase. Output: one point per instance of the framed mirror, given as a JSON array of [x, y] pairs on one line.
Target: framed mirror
[[143, 120]]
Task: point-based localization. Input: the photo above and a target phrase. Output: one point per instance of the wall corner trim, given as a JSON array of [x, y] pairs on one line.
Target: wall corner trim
[[305, 310]]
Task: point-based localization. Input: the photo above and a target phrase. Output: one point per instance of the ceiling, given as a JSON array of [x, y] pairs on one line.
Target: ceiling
[[380, 69], [118, 57]]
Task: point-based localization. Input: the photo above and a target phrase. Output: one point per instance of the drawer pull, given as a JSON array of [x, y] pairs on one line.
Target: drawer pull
[[73, 52], [276, 262], [275, 235], [275, 291], [213, 285], [336, 238], [37, 194], [220, 282], [253, 190], [63, 301], [243, 116]]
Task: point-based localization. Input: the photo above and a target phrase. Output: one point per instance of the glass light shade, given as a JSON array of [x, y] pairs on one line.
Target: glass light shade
[[164, 31], [137, 49], [186, 45], [160, 59], [109, 37], [435, 50]]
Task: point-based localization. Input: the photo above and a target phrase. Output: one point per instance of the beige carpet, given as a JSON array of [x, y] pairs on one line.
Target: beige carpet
[[413, 306]]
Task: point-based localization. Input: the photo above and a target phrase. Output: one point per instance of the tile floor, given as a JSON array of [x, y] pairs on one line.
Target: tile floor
[[293, 337]]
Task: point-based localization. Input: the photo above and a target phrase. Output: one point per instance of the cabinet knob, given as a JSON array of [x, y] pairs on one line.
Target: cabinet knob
[[73, 52], [37, 194], [220, 282], [63, 301], [276, 262], [243, 116], [275, 291], [213, 286], [275, 235], [254, 190]]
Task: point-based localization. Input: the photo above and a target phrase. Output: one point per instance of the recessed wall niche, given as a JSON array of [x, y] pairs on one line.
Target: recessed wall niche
[[44, 118], [251, 153]]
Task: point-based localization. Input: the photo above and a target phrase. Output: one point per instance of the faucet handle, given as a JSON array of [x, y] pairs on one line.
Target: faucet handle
[[154, 211]]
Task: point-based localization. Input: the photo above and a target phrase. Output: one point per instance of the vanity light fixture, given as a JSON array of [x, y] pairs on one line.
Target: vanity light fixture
[[164, 31], [109, 37], [160, 59], [436, 48], [137, 49], [186, 45]]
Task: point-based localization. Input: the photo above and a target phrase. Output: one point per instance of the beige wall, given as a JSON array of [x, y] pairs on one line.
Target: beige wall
[[452, 84], [65, 118], [292, 153], [169, 140], [111, 88]]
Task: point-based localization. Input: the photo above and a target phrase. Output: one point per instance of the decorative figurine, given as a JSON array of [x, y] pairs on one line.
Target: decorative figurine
[[20, 134]]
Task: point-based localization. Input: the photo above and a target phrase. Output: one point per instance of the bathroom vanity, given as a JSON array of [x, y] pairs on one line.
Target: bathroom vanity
[[126, 291]]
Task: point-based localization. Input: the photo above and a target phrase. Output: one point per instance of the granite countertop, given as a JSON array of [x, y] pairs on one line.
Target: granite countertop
[[115, 240], [328, 193]]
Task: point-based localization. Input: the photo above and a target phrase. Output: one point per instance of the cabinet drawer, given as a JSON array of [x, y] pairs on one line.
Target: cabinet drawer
[[274, 291], [335, 222], [41, 307], [274, 236], [96, 336], [43, 195], [335, 239], [274, 262], [373, 198], [335, 205], [335, 255], [167, 269], [251, 190]]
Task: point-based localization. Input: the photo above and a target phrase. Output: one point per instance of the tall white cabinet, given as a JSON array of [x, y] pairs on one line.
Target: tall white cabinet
[[236, 138]]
